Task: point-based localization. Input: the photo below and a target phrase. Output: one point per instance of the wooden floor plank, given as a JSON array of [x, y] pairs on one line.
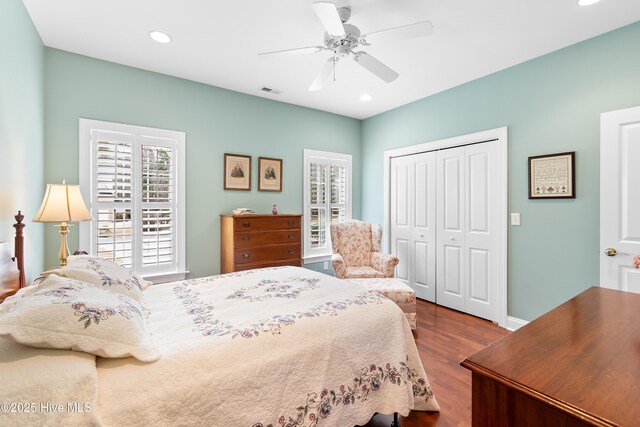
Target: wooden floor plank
[[444, 338]]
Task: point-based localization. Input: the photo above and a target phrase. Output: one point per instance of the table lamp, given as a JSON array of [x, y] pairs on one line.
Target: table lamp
[[62, 203]]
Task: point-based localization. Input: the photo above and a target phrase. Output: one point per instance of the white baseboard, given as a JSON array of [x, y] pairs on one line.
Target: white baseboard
[[514, 323]]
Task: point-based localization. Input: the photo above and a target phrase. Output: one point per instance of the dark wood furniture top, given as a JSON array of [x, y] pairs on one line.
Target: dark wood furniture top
[[580, 362], [255, 241], [12, 269]]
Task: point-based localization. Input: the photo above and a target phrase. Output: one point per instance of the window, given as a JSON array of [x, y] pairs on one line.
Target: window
[[133, 180], [327, 199]]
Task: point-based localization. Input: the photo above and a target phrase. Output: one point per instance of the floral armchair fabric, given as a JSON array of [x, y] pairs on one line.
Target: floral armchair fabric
[[356, 251]]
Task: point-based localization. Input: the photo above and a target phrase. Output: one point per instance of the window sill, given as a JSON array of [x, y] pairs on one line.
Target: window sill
[[166, 277], [316, 258]]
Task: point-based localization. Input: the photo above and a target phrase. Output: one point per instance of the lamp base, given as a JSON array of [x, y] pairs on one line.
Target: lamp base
[[64, 248]]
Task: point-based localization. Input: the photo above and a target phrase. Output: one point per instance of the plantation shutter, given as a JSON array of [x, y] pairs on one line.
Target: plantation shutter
[[134, 201], [113, 198], [327, 201]]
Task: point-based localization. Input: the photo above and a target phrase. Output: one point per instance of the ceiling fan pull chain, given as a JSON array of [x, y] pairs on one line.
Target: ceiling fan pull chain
[[334, 66]]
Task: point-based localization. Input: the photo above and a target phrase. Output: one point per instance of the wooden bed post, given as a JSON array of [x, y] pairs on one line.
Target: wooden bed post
[[19, 248]]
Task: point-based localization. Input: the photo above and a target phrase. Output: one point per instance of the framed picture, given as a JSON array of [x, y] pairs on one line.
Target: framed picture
[[552, 176], [237, 172], [270, 171]]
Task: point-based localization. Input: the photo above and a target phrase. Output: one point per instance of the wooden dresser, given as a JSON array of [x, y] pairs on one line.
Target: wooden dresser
[[255, 241], [578, 365]]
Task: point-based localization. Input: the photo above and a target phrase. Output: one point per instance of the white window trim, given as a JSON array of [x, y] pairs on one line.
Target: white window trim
[[319, 255], [86, 126]]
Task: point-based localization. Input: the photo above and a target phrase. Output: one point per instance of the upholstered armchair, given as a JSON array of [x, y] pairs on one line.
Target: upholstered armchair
[[356, 251]]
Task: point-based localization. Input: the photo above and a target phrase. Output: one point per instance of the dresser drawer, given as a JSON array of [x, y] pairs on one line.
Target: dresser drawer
[[267, 253], [268, 223], [259, 238]]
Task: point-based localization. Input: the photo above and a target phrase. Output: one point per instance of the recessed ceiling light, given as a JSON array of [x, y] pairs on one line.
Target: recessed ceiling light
[[587, 2], [365, 98], [160, 37]]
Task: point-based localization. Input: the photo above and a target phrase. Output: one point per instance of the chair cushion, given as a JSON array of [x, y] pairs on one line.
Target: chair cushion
[[362, 272]]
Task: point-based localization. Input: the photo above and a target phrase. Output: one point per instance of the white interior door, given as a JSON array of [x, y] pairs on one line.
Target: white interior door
[[451, 255], [423, 236], [620, 198], [413, 189], [401, 221], [468, 229]]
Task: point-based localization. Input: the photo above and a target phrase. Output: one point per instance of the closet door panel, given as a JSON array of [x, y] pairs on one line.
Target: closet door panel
[[424, 220], [401, 215], [482, 236], [450, 254]]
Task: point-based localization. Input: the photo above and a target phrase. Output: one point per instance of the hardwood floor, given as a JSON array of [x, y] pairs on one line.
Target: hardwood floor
[[444, 338]]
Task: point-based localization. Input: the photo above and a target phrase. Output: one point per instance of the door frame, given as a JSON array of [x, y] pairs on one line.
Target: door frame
[[500, 136]]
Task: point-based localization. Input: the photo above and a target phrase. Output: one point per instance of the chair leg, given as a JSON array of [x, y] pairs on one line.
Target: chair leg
[[395, 422]]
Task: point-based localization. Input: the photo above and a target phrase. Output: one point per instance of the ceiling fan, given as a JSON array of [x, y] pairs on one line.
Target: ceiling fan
[[342, 38]]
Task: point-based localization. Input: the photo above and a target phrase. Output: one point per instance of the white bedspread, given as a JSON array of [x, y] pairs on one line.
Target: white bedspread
[[273, 347], [42, 387]]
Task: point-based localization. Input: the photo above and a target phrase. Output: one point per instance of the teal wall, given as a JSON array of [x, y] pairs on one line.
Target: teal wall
[[550, 104], [21, 128], [216, 121]]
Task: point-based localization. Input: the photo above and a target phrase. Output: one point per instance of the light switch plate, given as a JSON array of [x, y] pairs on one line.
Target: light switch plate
[[326, 265], [515, 218]]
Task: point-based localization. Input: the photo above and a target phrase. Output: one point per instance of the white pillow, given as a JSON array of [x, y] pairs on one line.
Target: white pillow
[[65, 313], [103, 272]]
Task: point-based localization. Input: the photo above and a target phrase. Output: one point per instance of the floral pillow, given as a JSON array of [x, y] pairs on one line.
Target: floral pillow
[[64, 313], [103, 272]]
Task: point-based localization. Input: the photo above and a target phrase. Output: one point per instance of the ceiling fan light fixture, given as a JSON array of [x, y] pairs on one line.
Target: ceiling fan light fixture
[[587, 2], [366, 97], [160, 37]]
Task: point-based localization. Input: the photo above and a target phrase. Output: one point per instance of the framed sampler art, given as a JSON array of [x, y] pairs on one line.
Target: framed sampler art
[[237, 172], [552, 176]]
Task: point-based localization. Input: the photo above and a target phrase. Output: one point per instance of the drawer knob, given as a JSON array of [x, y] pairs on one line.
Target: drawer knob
[[292, 235], [246, 224], [291, 222], [246, 238], [246, 255], [291, 251]]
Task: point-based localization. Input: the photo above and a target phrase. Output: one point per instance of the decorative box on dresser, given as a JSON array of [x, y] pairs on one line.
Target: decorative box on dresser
[[255, 241], [577, 365]]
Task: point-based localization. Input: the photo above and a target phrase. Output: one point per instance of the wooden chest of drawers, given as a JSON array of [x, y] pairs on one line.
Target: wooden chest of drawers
[[255, 241]]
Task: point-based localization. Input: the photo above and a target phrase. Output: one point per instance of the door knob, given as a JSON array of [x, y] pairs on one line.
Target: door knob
[[421, 235], [613, 252], [452, 238]]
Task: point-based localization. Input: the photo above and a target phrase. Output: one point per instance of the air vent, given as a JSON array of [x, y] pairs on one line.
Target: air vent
[[271, 90]]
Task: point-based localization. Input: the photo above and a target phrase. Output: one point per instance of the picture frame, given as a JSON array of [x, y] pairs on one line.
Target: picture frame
[[237, 172], [269, 174], [552, 176]]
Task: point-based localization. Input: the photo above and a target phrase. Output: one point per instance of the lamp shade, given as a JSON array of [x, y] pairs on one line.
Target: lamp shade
[[62, 203]]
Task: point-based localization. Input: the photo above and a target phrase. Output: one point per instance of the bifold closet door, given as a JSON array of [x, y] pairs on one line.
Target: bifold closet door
[[467, 229], [413, 231]]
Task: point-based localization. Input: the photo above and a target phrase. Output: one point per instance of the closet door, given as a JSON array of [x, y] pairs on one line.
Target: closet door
[[413, 221], [467, 229], [401, 215], [423, 235], [482, 237], [451, 257]]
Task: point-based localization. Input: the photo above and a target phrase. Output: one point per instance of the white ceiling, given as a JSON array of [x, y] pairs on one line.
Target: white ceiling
[[217, 42]]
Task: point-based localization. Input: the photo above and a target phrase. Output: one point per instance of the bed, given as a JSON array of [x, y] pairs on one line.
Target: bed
[[271, 347]]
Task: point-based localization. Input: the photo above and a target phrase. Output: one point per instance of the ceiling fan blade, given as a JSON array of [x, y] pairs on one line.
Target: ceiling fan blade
[[322, 76], [375, 66], [291, 52], [419, 29], [328, 14]]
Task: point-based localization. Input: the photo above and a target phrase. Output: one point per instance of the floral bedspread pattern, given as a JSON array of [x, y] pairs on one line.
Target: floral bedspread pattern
[[298, 348]]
